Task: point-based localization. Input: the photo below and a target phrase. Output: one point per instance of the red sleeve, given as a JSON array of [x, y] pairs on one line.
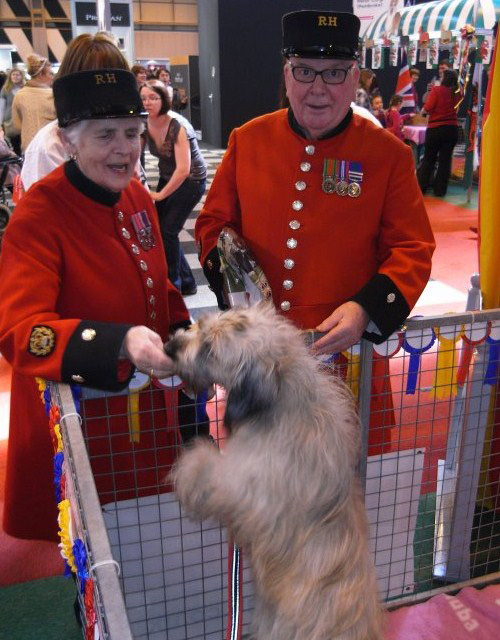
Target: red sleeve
[[222, 208], [178, 314], [431, 102]]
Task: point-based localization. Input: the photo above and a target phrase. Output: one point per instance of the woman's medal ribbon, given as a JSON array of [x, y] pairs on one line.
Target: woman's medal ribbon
[[143, 229], [415, 353]]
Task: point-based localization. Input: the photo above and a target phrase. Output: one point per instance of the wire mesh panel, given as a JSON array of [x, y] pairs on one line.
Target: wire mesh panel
[[430, 467]]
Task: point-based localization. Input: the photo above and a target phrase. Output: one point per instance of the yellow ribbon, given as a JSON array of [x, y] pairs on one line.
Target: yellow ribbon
[[352, 375], [42, 385], [139, 382], [57, 431], [445, 380], [66, 544]]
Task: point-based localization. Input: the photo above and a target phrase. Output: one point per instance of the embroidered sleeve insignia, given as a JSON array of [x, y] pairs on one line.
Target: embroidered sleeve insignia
[[42, 341]]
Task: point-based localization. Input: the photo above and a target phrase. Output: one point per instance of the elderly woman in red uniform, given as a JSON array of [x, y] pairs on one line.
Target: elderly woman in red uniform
[[85, 299], [327, 202]]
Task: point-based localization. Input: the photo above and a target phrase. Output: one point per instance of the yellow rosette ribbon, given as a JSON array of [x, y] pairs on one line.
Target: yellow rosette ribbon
[[445, 380]]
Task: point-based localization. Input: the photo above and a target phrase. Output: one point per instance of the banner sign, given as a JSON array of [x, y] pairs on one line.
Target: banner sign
[[86, 14], [369, 10]]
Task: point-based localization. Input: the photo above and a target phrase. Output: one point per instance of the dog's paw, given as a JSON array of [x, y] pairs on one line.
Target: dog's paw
[[192, 476]]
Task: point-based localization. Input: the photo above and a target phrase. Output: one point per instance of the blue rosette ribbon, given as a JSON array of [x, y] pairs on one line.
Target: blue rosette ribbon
[[47, 399], [80, 555], [58, 471], [491, 373], [415, 354]]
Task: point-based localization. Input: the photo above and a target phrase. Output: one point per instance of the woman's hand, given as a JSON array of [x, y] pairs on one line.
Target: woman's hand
[[144, 348], [345, 327], [156, 197]]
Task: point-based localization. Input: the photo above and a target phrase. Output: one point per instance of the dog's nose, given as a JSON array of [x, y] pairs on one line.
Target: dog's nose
[[171, 348]]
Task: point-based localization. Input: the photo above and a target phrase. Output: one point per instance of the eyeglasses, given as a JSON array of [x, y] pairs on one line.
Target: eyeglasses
[[329, 76], [151, 98]]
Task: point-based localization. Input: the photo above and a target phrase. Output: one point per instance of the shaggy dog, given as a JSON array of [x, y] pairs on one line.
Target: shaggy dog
[[285, 483]]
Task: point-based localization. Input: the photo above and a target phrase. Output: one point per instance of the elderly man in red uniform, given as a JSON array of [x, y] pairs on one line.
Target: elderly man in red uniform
[[327, 202]]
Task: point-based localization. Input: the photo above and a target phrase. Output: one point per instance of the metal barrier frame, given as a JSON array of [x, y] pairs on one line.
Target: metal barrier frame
[[463, 456]]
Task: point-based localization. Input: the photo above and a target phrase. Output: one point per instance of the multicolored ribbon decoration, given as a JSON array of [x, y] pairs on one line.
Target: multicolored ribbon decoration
[[445, 380], [491, 373], [415, 353]]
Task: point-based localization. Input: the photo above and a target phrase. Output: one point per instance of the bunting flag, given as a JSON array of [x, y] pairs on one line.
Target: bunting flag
[[404, 85]]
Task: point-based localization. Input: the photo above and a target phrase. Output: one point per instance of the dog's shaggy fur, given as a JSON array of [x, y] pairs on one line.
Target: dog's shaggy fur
[[285, 483]]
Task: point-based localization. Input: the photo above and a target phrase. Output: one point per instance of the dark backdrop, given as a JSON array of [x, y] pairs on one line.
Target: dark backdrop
[[241, 65], [249, 60]]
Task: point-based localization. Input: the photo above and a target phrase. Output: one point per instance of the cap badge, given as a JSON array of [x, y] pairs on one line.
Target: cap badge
[[327, 21], [42, 341], [105, 78], [143, 229]]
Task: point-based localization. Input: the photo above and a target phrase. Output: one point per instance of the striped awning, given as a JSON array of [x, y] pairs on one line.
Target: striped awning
[[440, 15]]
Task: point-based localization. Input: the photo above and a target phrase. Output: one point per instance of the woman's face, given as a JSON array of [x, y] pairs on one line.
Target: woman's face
[[377, 103], [164, 76], [108, 151], [151, 101], [47, 75], [16, 77]]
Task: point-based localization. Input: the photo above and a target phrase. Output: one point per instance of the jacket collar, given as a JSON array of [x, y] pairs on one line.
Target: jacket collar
[[89, 188], [329, 134]]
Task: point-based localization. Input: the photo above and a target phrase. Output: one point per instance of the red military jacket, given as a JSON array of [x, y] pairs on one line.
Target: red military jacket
[[318, 249], [74, 277]]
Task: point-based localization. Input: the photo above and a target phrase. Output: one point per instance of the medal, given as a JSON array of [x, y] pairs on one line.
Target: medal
[[143, 229], [355, 179], [342, 185], [354, 190], [328, 184], [342, 188]]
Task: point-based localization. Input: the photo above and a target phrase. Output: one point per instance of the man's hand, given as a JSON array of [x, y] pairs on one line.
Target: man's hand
[[144, 348], [344, 328]]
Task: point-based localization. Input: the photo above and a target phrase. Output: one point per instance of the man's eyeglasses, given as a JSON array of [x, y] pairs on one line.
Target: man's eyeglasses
[[329, 76]]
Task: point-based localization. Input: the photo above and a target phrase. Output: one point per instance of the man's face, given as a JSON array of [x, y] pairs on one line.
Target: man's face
[[441, 69], [319, 107]]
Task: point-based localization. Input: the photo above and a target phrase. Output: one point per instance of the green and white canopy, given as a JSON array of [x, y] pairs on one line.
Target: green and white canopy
[[440, 15]]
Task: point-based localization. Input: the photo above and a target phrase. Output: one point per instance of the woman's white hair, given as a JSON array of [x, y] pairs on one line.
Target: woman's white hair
[[74, 132]]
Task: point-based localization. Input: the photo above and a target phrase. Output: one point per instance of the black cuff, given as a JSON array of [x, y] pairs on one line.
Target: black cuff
[[211, 269], [185, 324], [91, 357], [385, 304]]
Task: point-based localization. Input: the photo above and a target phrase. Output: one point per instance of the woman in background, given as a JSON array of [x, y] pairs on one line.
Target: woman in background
[[46, 151], [182, 181], [33, 105], [441, 135], [14, 82]]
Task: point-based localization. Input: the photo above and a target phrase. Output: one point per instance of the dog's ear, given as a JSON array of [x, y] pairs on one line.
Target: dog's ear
[[251, 396]]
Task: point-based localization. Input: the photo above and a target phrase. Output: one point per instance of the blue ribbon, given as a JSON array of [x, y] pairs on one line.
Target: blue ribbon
[[201, 406], [58, 463], [47, 398], [80, 555], [411, 383], [491, 374], [76, 390]]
